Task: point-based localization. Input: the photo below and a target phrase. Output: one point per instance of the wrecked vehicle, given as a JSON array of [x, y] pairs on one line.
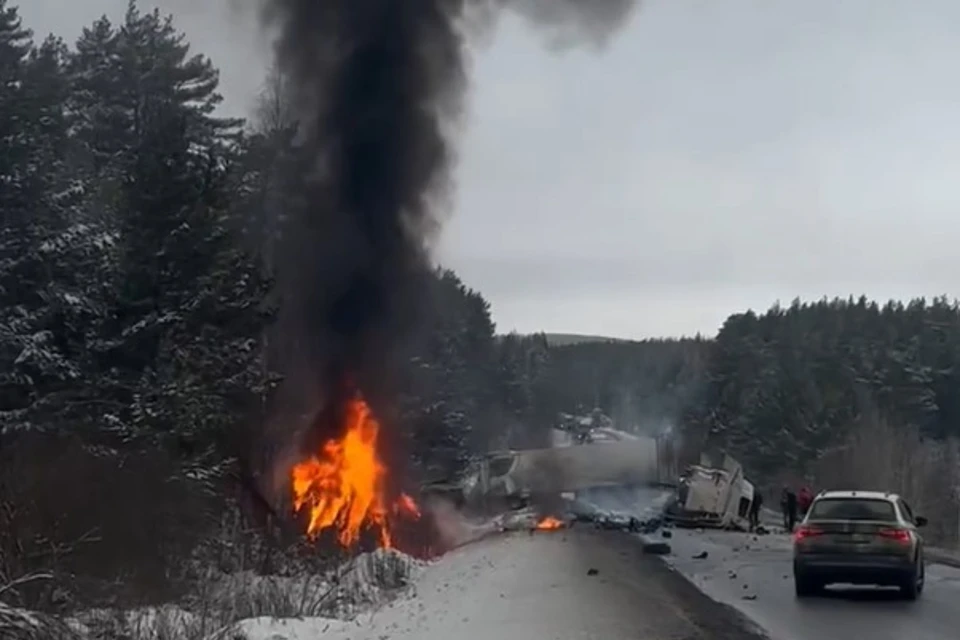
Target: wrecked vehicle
[[713, 496], [514, 478], [488, 482]]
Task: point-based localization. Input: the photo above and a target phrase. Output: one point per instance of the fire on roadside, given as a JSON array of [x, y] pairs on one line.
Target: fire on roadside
[[343, 487], [549, 523]]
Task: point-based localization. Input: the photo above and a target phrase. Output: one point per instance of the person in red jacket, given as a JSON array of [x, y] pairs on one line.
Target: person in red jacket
[[804, 498]]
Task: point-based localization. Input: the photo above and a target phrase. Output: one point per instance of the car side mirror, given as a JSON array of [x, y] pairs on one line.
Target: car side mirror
[[921, 521]]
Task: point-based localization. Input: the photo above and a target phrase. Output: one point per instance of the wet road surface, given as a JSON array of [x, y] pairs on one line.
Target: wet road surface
[[574, 584], [754, 575]]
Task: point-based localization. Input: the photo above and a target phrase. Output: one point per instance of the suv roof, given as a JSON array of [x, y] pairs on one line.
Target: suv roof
[[871, 495]]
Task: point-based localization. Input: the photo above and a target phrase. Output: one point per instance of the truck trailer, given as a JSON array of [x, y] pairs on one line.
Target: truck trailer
[[512, 478]]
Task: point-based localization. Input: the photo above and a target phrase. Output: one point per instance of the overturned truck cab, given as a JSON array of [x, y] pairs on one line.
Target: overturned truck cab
[[711, 496]]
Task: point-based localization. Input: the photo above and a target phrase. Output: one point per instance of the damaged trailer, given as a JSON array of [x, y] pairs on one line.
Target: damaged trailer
[[711, 496], [512, 479]]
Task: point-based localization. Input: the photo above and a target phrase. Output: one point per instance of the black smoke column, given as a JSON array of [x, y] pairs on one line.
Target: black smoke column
[[373, 82], [375, 85]]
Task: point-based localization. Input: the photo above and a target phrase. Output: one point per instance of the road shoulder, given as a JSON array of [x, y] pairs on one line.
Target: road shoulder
[[944, 557]]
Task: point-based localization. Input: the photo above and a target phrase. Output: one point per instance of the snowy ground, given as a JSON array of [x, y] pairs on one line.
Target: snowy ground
[[565, 585], [268, 606], [539, 582]]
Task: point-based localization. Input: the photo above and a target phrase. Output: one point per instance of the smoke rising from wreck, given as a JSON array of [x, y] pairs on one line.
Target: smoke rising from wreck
[[375, 86]]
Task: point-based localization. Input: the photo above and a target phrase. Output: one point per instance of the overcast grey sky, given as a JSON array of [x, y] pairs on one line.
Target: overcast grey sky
[[719, 155]]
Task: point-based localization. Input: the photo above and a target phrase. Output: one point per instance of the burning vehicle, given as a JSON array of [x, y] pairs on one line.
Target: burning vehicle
[[343, 489], [489, 484]]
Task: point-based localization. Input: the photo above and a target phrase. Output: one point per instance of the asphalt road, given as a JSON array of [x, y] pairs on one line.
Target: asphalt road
[[574, 584], [753, 574]]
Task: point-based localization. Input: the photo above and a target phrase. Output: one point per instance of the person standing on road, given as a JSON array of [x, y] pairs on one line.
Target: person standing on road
[[755, 507], [804, 500], [783, 504], [788, 504]]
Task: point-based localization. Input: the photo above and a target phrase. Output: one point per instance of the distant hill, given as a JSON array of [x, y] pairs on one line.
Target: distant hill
[[561, 339]]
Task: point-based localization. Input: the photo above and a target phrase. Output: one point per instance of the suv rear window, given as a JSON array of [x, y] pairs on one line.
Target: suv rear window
[[853, 509]]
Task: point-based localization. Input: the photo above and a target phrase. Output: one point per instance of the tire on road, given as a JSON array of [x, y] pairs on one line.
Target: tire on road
[[805, 586], [912, 586]]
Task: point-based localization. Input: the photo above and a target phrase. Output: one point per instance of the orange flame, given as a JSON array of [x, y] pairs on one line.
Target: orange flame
[[549, 524], [344, 488]]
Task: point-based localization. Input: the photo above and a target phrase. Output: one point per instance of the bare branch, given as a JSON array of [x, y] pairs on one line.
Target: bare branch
[[24, 580]]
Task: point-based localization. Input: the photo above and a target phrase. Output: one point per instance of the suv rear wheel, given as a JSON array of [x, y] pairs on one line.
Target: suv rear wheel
[[806, 587], [912, 587]]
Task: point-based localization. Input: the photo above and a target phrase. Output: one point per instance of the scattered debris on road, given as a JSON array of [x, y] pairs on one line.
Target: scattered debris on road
[[656, 547]]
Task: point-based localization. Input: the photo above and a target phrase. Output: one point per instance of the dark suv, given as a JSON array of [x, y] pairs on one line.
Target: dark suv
[[859, 537]]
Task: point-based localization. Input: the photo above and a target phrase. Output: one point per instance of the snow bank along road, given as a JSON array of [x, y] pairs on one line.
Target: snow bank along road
[[573, 584], [754, 575]]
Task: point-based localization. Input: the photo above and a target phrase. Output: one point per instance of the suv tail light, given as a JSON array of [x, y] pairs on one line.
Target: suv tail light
[[806, 531], [898, 535]]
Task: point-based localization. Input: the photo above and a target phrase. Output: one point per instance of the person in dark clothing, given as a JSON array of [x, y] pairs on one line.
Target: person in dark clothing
[[783, 504], [804, 500], [755, 507], [790, 510], [788, 507]]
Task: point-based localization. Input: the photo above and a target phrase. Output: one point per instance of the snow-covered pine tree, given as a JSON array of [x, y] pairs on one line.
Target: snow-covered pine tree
[[181, 341], [45, 245]]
